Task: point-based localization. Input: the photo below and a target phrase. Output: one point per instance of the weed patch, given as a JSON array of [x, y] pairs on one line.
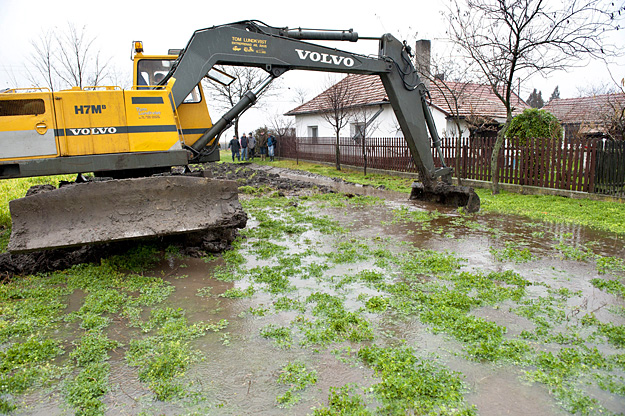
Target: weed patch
[[411, 384], [298, 378]]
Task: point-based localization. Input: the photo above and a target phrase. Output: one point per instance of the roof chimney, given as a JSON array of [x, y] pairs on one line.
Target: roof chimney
[[422, 53]]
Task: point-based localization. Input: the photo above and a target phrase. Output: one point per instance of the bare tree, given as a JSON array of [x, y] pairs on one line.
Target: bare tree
[[364, 119], [300, 95], [511, 40], [117, 77], [337, 100], [617, 121], [42, 60], [67, 58], [283, 130], [226, 96], [609, 111], [80, 63], [614, 117]]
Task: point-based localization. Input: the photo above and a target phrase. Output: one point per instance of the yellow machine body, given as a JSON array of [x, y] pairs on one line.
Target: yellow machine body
[[121, 129], [27, 125], [115, 121], [118, 133]]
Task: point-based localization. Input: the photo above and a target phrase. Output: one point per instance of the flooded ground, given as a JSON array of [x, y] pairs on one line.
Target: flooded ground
[[334, 304]]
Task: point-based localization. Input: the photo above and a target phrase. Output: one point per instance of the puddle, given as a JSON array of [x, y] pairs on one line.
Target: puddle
[[240, 369]]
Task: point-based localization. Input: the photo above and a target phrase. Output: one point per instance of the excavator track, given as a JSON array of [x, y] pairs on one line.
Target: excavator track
[[117, 210]]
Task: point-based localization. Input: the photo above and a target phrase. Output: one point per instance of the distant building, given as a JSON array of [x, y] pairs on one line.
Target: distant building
[[585, 117], [479, 110]]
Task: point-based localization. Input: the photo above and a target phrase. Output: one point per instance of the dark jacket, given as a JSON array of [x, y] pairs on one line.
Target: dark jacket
[[244, 141], [262, 141], [234, 145], [271, 141]]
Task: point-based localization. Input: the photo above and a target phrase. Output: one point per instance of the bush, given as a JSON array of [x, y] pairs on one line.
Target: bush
[[533, 123]]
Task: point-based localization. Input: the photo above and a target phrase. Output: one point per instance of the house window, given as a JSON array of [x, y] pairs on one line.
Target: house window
[[357, 131], [313, 131]]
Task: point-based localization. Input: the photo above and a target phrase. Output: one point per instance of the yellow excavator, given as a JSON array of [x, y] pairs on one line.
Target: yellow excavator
[[135, 136]]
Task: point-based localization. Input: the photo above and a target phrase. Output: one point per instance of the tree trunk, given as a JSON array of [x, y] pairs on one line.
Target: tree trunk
[[494, 161], [236, 127], [338, 154], [364, 156], [458, 152]]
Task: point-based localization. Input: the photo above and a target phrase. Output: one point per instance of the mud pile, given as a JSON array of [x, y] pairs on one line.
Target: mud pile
[[257, 176], [194, 244]]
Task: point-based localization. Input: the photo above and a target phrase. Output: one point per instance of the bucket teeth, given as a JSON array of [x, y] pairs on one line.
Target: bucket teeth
[[115, 210]]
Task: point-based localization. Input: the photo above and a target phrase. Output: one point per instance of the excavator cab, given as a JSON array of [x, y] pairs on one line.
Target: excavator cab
[[193, 117]]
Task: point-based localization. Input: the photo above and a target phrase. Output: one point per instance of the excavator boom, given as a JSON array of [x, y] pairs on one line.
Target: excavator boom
[[277, 50]]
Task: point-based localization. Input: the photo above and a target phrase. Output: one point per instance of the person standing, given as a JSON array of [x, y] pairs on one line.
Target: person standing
[[234, 147], [271, 146], [251, 144], [262, 143], [244, 144]]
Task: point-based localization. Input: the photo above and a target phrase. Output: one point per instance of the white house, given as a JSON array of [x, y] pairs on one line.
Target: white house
[[476, 109]]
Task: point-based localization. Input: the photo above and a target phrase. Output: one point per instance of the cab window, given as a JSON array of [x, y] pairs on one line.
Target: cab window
[[153, 71]]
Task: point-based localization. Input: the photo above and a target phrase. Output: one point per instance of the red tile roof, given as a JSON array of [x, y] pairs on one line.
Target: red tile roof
[[593, 109], [474, 99], [368, 90]]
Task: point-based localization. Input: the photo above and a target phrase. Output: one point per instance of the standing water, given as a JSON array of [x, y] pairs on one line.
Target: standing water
[[345, 302]]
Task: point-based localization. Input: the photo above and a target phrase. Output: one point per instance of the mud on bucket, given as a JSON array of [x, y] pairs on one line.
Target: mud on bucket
[[449, 195]]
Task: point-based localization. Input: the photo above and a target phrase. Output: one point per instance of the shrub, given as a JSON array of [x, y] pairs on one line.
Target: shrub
[[534, 123]]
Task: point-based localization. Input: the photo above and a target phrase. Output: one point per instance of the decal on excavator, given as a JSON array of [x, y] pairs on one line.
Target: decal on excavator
[[249, 44], [93, 130], [324, 58], [89, 109]]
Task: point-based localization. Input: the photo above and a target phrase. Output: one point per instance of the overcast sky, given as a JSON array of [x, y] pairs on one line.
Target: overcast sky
[[169, 24]]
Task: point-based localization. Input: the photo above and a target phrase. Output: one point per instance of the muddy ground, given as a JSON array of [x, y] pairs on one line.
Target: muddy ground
[[372, 305], [197, 244]]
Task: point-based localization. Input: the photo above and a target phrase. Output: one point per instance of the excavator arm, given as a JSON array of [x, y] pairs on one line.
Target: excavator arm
[[277, 50]]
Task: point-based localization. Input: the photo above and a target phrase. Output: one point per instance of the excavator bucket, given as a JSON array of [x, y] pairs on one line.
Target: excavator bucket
[[114, 210], [449, 195]]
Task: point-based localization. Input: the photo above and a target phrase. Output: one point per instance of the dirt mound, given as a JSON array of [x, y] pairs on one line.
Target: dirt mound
[[248, 174], [448, 195], [193, 244]]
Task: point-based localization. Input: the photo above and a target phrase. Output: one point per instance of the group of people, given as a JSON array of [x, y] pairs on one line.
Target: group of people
[[245, 148]]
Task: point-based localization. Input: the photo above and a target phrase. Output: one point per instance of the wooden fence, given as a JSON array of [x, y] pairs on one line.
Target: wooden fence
[[590, 165]]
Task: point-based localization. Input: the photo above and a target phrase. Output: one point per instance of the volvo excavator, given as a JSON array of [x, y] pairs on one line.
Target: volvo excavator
[[136, 135]]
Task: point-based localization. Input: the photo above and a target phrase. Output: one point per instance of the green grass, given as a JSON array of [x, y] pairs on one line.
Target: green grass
[[297, 377], [412, 385], [601, 215], [316, 288]]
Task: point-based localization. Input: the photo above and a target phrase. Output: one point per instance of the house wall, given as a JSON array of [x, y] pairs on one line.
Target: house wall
[[385, 125]]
